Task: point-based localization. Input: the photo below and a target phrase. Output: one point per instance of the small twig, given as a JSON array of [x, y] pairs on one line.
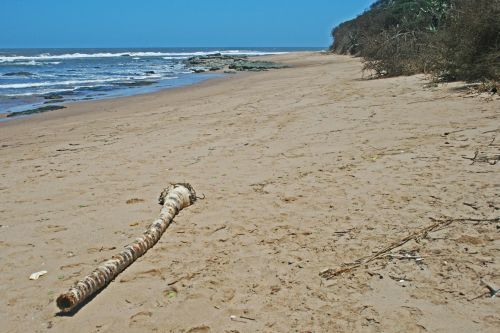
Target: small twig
[[380, 276], [175, 281], [492, 290], [395, 278], [478, 296], [344, 231], [425, 158], [471, 205], [219, 228], [409, 257], [470, 219], [457, 131], [243, 317], [473, 159], [234, 318], [492, 131]]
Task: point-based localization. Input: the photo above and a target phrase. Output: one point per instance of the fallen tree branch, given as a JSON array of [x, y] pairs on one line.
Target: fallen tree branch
[[491, 289], [174, 199], [437, 225], [492, 160], [458, 131]]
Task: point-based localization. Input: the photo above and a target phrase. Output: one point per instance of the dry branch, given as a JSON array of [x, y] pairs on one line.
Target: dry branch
[[174, 199], [490, 159], [491, 290], [437, 225]]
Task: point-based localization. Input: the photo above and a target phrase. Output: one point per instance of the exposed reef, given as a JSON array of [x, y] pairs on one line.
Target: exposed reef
[[37, 110], [228, 63]]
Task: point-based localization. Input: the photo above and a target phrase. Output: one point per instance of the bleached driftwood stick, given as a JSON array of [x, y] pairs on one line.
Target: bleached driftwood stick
[[174, 198]]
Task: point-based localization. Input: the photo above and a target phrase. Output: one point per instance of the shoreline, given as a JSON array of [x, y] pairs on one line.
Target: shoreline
[[302, 169], [79, 106], [47, 104]]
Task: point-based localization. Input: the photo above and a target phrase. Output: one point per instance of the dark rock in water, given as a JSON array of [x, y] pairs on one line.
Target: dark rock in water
[[54, 101], [18, 74], [213, 59], [37, 110], [52, 96], [194, 61], [125, 55], [216, 68], [199, 70], [149, 72], [135, 83]]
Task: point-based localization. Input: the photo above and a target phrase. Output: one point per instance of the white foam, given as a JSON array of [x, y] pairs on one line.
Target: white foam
[[175, 58], [40, 92], [169, 55], [49, 84], [28, 63]]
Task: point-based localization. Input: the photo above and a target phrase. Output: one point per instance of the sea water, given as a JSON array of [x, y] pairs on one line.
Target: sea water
[[31, 78]]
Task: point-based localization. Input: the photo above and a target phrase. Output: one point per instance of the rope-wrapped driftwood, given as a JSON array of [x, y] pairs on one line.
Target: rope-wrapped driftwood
[[174, 198]]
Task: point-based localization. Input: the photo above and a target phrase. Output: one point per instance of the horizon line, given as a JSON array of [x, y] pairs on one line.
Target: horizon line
[[153, 47]]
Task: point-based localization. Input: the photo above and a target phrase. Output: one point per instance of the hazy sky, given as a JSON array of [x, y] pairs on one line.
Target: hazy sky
[[155, 23]]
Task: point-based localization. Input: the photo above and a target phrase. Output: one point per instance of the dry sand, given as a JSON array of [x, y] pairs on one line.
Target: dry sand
[[303, 169]]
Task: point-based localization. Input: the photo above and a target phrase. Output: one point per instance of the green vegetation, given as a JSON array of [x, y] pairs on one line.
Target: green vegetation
[[451, 39]]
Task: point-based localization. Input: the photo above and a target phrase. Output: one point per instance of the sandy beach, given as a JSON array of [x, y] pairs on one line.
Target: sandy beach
[[302, 169]]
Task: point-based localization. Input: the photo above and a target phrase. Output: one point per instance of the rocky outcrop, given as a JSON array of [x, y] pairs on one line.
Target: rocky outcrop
[[255, 66], [37, 110], [228, 64], [138, 83], [53, 96]]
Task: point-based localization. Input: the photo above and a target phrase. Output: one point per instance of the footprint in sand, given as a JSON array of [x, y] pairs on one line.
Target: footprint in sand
[[140, 317], [134, 201], [199, 329], [54, 228], [145, 274]]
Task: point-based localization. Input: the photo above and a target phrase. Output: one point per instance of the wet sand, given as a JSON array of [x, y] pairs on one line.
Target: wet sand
[[302, 169]]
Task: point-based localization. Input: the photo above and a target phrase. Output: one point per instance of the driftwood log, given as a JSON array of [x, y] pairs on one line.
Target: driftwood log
[[174, 199]]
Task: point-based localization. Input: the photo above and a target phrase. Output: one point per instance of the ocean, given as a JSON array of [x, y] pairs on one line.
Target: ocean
[[33, 78]]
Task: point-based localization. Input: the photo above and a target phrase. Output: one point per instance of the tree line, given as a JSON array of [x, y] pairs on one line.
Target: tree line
[[450, 39]]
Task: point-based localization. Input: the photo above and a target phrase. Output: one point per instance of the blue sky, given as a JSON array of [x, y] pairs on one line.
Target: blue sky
[[172, 23]]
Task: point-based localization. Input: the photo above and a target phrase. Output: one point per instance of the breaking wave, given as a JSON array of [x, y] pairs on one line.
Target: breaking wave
[[173, 55]]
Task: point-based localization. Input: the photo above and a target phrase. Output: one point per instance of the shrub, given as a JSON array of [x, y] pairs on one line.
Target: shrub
[[452, 39], [469, 44]]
